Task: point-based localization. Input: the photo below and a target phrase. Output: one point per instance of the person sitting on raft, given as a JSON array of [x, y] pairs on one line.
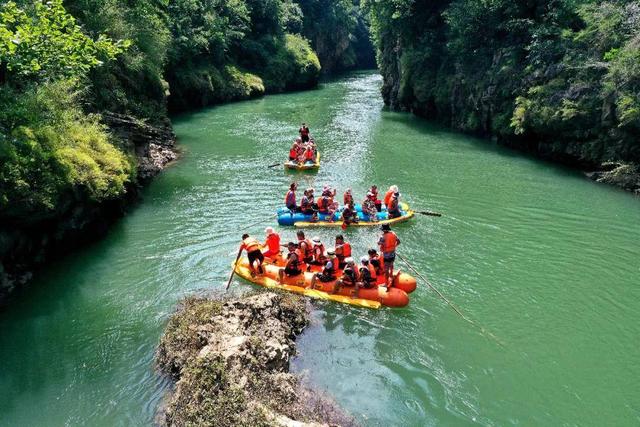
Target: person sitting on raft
[[326, 205], [349, 214], [290, 198], [304, 132], [319, 257], [292, 267], [343, 250], [272, 244], [252, 246], [378, 203], [366, 280], [369, 207], [349, 276], [394, 206], [328, 273], [388, 243], [377, 265], [389, 194], [308, 155], [306, 203], [294, 152], [306, 249]]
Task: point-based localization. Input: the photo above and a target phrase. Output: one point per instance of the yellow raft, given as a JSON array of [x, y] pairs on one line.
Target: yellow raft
[[303, 166], [242, 270]]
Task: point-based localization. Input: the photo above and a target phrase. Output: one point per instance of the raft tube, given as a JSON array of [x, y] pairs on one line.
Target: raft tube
[[306, 166], [369, 298], [287, 218]]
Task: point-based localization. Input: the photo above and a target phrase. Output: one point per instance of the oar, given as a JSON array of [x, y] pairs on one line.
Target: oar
[[428, 213], [274, 165], [233, 270], [456, 309]]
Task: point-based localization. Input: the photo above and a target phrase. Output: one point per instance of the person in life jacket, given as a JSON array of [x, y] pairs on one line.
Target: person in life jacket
[[306, 203], [365, 280], [378, 203], [319, 257], [292, 267], [290, 198], [349, 214], [309, 155], [388, 243], [306, 249], [349, 277], [293, 152], [304, 132], [376, 264], [394, 206], [272, 244], [347, 198], [343, 250], [369, 207], [328, 273], [388, 194], [252, 246]]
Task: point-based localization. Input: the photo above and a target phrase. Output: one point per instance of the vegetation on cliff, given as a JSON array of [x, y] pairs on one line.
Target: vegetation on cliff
[[558, 77]]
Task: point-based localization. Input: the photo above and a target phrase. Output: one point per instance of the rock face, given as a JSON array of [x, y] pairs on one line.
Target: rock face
[[230, 361], [154, 145], [25, 246], [625, 176]]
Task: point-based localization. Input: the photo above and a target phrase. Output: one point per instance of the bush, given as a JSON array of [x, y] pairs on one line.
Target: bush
[[50, 148]]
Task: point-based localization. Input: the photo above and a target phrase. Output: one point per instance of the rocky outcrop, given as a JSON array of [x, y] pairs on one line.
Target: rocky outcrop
[[26, 245], [625, 176], [154, 146], [230, 360]]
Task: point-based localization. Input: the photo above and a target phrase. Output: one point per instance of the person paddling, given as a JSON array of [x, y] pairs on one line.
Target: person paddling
[[272, 244], [252, 246], [388, 243]]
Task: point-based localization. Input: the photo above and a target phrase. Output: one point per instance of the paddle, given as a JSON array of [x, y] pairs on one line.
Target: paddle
[[233, 270], [429, 213], [274, 165]]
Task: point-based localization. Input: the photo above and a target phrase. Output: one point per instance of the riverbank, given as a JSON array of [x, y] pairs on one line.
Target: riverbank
[[230, 359]]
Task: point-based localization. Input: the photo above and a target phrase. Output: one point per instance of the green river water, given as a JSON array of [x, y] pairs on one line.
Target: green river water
[[544, 259]]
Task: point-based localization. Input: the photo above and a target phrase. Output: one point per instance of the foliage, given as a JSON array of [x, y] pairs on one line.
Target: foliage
[[50, 149], [556, 72], [48, 44]]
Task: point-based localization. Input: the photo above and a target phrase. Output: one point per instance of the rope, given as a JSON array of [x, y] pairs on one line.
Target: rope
[[450, 304]]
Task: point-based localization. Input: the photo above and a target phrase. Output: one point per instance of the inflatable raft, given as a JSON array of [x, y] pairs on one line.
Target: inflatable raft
[[396, 296], [286, 217], [306, 166]]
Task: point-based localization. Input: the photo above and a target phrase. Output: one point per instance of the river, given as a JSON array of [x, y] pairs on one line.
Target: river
[[540, 257]]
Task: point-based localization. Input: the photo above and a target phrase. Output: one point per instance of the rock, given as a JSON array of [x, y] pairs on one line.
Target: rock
[[625, 176], [240, 374]]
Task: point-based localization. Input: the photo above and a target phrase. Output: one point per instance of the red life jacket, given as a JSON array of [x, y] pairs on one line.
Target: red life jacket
[[308, 155], [387, 197], [293, 153], [273, 243], [343, 251]]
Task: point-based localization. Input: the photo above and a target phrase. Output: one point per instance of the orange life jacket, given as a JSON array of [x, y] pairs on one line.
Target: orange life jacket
[[250, 244], [389, 242], [322, 204], [273, 243], [343, 251], [372, 271], [387, 197], [307, 252]]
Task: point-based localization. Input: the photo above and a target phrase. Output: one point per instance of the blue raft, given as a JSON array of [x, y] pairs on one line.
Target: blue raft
[[288, 218]]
